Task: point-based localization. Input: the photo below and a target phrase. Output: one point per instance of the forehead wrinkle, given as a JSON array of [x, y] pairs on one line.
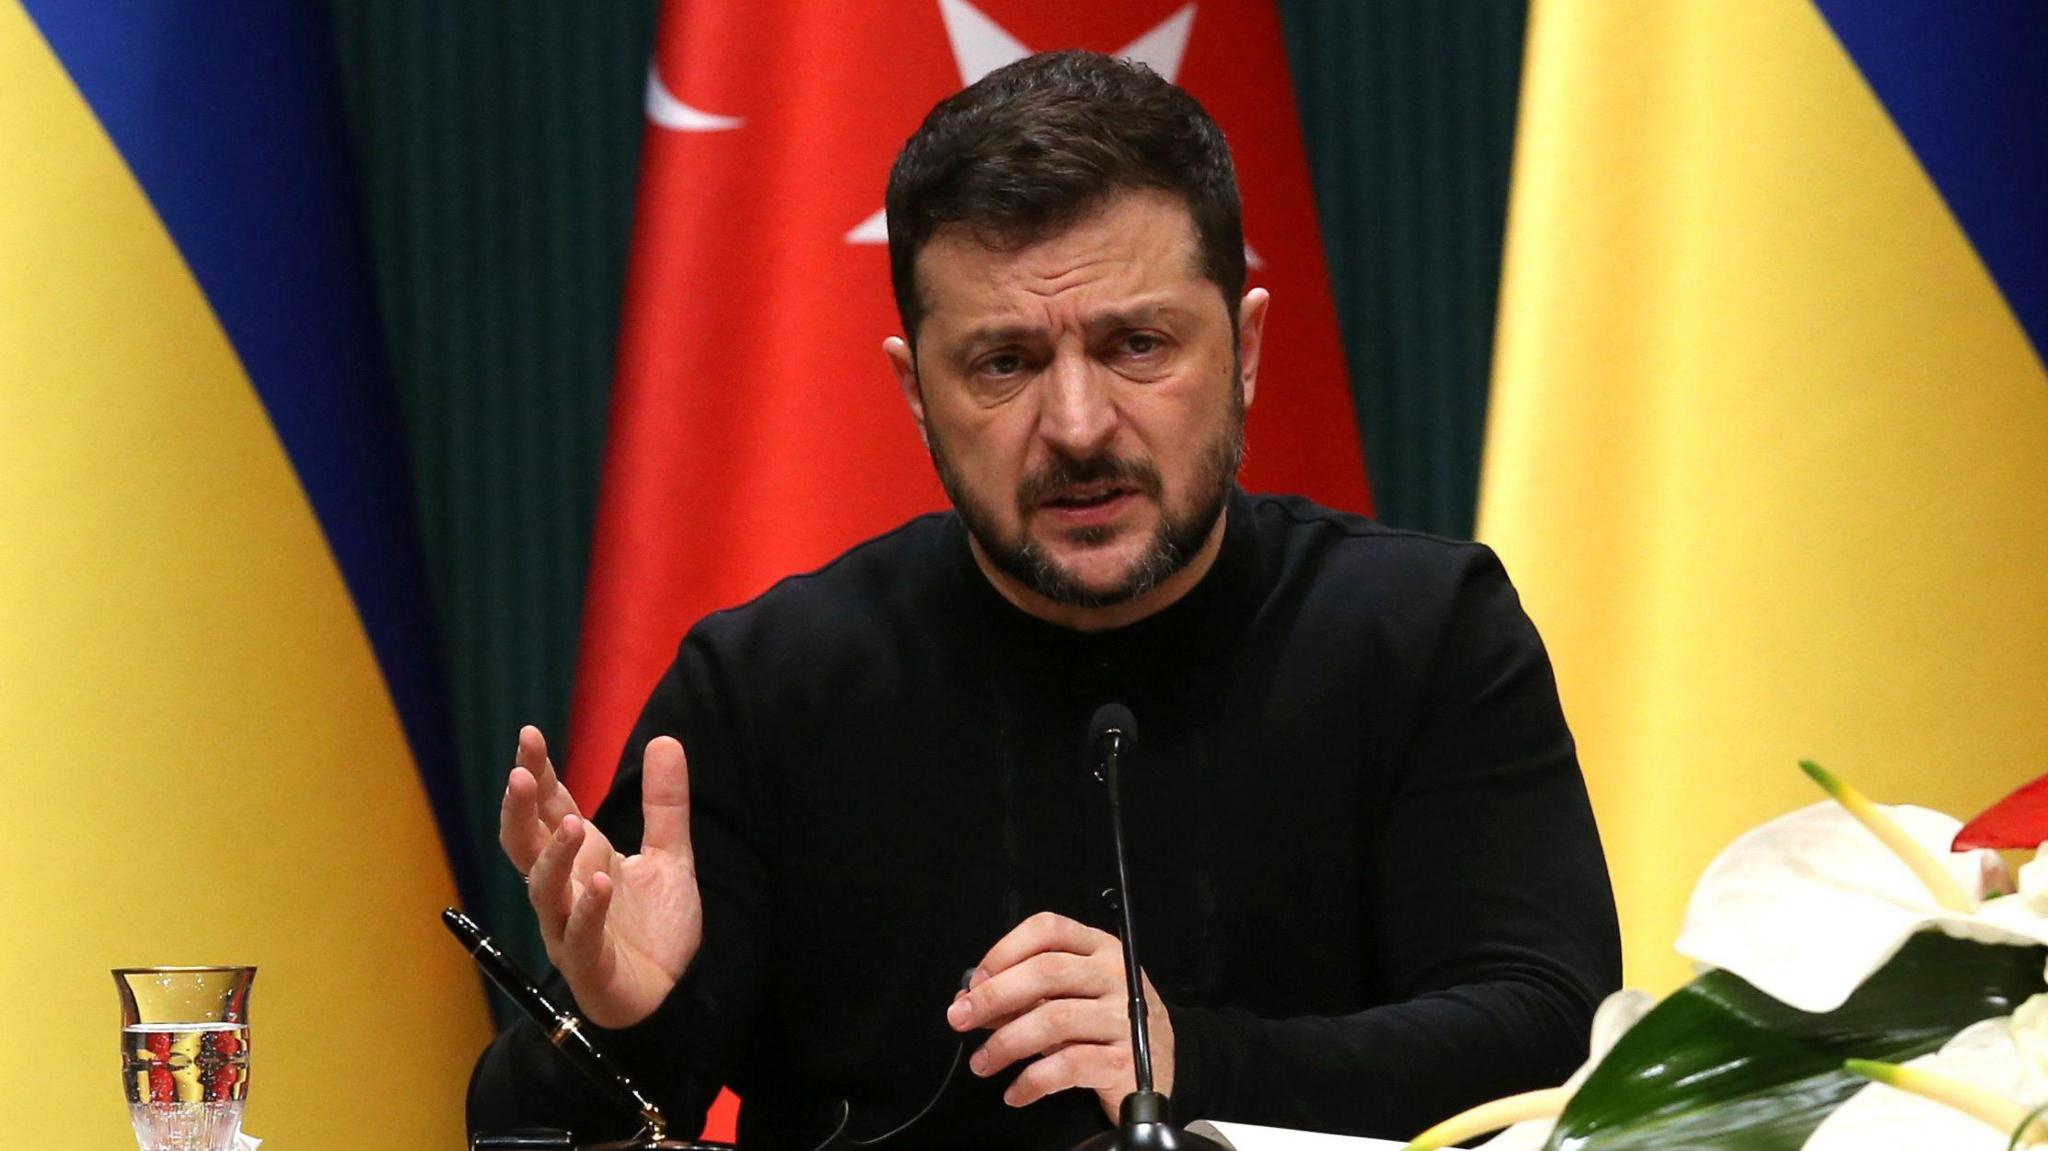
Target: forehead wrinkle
[[1050, 280], [1028, 286]]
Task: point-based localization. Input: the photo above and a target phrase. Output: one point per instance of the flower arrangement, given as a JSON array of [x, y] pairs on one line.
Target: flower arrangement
[[1871, 980]]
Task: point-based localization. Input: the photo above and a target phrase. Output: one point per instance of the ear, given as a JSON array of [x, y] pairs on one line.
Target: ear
[[904, 364], [1251, 336]]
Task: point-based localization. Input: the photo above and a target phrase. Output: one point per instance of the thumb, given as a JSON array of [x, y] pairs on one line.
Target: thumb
[[665, 797]]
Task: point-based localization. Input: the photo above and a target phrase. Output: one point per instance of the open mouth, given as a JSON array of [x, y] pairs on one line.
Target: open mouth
[[1088, 496]]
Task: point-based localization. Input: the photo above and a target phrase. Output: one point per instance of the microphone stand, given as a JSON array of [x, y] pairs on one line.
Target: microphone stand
[[1143, 1122]]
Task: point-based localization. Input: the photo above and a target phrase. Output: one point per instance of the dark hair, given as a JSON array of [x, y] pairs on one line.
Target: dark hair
[[1032, 147]]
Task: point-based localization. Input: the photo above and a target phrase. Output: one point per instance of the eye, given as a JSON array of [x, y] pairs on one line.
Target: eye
[[1140, 351], [995, 376], [1142, 344], [1001, 365]]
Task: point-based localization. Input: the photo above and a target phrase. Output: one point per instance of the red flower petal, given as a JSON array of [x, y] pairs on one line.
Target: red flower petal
[[2017, 822]]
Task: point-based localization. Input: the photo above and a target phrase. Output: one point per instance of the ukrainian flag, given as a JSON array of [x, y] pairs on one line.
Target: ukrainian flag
[[223, 732], [1768, 447]]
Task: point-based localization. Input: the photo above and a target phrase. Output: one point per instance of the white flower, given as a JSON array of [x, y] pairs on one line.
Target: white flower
[[1619, 1012], [2006, 1056], [1811, 904]]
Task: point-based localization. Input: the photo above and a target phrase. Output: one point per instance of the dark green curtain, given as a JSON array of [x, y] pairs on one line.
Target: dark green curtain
[[1408, 110], [498, 145]]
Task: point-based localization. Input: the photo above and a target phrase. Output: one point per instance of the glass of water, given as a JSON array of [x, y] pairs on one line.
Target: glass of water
[[185, 1054]]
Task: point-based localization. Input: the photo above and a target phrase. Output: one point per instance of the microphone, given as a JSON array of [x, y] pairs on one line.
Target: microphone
[[1142, 1122]]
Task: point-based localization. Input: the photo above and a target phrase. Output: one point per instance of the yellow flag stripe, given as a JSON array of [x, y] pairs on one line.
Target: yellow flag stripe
[[1768, 453], [211, 765]]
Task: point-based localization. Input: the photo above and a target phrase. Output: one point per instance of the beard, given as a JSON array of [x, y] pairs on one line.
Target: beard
[[1174, 543]]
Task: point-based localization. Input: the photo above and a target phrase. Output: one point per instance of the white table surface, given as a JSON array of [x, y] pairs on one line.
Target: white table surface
[[1246, 1137]]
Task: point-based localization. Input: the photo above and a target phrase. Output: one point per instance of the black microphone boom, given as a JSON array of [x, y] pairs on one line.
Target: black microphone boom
[[1143, 1123]]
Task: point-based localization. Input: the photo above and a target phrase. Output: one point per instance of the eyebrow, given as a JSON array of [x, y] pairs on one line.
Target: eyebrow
[[1113, 319]]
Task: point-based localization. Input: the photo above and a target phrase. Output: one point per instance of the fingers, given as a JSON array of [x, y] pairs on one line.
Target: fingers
[[583, 934], [550, 887], [1043, 932], [520, 831], [553, 796], [1047, 1028], [595, 854], [1096, 1066], [1052, 975], [665, 798], [1052, 991], [535, 802]]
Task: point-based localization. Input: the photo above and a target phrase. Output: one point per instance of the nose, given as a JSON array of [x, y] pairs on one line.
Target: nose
[[1077, 409]]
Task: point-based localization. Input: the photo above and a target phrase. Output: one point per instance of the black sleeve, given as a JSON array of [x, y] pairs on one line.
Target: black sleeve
[[690, 1046], [1492, 911]]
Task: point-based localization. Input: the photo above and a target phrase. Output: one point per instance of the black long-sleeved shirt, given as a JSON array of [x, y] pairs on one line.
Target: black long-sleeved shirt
[[1366, 877]]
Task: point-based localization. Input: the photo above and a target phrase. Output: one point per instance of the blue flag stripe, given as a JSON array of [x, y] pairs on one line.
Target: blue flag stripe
[[1967, 84]]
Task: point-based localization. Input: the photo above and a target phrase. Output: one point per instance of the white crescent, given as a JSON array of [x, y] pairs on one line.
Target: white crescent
[[668, 112]]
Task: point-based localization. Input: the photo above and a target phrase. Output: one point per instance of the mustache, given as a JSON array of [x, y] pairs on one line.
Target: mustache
[[1066, 471]]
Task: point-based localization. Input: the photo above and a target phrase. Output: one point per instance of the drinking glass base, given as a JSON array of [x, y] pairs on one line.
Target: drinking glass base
[[186, 1126]]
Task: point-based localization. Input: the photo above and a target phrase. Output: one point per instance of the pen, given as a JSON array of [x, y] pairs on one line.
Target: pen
[[562, 1028]]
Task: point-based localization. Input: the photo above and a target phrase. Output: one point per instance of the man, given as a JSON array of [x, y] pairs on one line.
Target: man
[[1367, 875]]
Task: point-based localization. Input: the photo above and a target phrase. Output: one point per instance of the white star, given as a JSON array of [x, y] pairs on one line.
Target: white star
[[667, 111], [980, 46]]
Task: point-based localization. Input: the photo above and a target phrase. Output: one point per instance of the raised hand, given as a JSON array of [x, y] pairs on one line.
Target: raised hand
[[1053, 989], [621, 929]]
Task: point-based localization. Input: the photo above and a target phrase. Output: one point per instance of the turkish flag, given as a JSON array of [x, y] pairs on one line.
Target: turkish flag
[[755, 429]]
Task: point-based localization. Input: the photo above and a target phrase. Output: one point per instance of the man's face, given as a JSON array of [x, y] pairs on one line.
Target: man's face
[[1083, 397]]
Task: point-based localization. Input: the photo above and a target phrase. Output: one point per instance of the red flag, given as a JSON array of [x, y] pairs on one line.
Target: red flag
[[755, 429]]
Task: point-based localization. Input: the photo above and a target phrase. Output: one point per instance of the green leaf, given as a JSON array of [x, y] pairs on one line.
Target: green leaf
[[1720, 1066]]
